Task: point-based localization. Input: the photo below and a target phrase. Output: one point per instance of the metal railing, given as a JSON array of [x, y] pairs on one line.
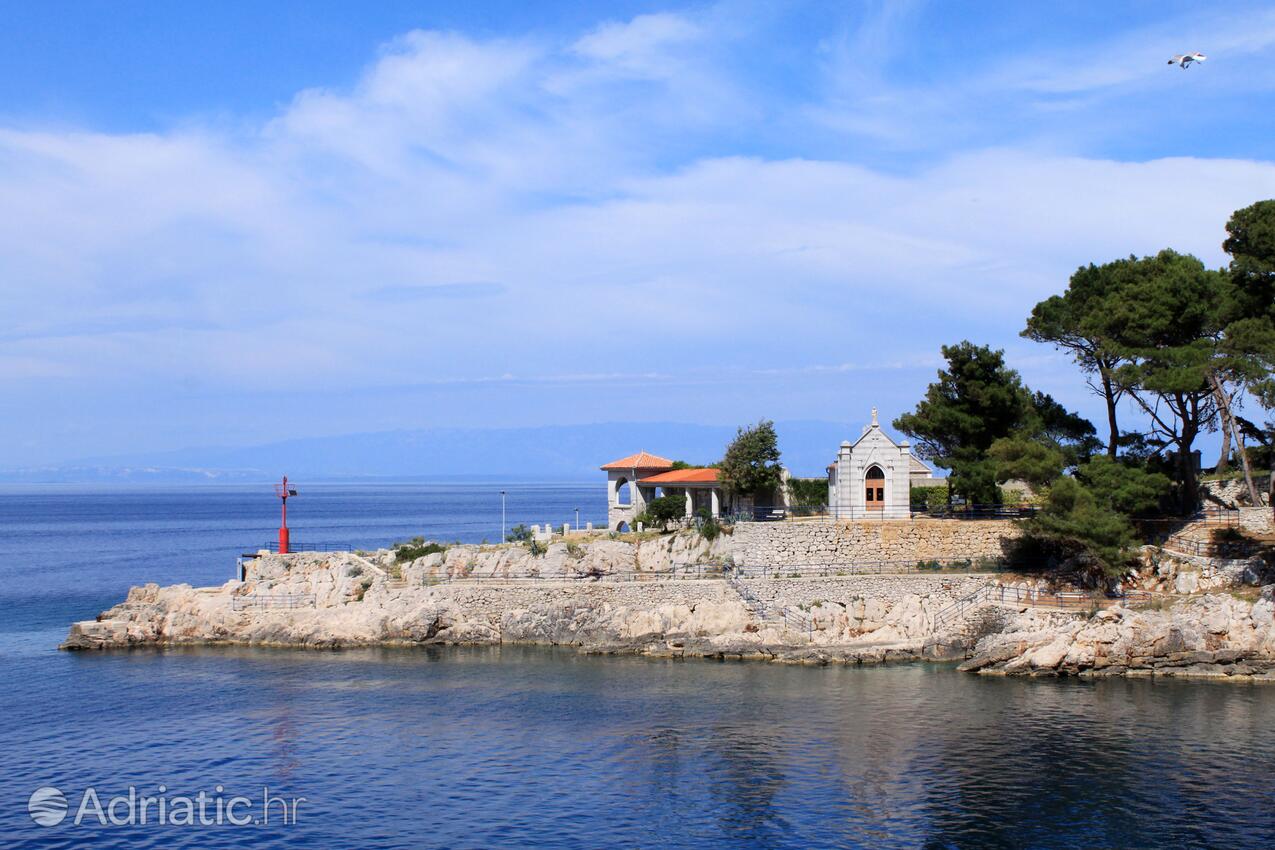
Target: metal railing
[[824, 512], [1212, 515], [677, 571], [1074, 600], [296, 548], [751, 601], [958, 609], [1226, 549], [826, 570], [272, 601], [1016, 511]]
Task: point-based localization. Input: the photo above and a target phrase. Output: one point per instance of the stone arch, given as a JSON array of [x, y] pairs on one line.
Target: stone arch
[[623, 492], [622, 526], [874, 488]]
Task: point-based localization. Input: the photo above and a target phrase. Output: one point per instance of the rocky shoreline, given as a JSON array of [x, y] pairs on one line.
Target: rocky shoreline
[[661, 597], [1215, 636]]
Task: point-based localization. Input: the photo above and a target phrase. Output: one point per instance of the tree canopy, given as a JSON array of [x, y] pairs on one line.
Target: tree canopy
[[665, 509], [1076, 322], [750, 466], [1088, 515], [977, 403]]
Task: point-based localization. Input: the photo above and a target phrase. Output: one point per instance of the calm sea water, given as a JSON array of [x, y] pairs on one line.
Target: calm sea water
[[519, 747]]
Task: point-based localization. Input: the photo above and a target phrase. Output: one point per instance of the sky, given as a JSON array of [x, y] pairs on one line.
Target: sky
[[233, 223]]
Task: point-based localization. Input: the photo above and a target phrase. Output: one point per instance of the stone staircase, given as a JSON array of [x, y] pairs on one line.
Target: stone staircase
[[793, 619]]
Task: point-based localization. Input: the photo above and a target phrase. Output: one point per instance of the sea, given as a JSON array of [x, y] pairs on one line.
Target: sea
[[540, 747]]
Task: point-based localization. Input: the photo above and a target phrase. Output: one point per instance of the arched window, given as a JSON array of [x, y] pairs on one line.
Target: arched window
[[874, 488], [622, 527], [623, 492]]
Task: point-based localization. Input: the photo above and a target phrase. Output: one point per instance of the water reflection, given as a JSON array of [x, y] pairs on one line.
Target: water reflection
[[517, 747]]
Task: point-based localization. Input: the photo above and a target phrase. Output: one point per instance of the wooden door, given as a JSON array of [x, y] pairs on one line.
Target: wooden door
[[874, 489]]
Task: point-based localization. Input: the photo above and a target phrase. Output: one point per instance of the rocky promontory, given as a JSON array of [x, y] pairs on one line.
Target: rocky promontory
[[679, 594], [1214, 636], [663, 595]]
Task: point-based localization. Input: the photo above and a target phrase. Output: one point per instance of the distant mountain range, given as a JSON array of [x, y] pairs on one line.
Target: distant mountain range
[[551, 452]]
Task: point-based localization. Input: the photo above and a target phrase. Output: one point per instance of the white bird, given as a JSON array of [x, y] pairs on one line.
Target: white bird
[[1186, 59]]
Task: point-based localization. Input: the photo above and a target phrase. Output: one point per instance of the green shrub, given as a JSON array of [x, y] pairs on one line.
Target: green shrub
[[929, 498], [574, 550], [665, 509], [416, 548], [809, 492], [710, 529], [354, 571], [520, 533], [536, 548]]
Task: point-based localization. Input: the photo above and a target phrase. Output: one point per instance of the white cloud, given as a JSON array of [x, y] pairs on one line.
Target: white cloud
[[334, 247]]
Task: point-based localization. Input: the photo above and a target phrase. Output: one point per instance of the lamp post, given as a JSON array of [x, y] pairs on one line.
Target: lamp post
[[577, 519], [502, 516]]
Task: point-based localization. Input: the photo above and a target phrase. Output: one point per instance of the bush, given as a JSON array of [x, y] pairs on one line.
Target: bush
[[710, 529], [520, 533], [536, 548], [574, 550], [416, 548], [1228, 535], [666, 509], [809, 492], [929, 498]]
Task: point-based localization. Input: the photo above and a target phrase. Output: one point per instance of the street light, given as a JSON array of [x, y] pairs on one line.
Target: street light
[[502, 516], [577, 519]]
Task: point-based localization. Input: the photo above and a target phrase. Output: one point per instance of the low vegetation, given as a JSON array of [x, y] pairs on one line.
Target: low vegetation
[[415, 548]]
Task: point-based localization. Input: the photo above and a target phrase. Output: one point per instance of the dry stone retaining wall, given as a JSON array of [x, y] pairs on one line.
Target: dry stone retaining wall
[[781, 544], [493, 600]]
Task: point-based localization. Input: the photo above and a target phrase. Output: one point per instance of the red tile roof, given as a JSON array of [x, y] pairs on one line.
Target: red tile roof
[[641, 460], [683, 476]]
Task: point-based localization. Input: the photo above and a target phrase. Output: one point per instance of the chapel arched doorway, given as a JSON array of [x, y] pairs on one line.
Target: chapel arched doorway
[[874, 489]]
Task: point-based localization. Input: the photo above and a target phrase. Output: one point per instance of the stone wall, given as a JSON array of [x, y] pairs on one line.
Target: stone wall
[[781, 544], [493, 600], [1256, 520], [1233, 492]]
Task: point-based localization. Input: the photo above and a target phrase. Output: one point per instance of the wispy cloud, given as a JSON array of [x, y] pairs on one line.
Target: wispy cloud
[[426, 292], [595, 209]]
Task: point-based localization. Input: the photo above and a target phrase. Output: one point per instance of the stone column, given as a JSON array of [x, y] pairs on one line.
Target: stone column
[[690, 503], [716, 503]]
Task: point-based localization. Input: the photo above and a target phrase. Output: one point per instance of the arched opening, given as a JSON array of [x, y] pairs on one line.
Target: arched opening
[[623, 492], [621, 527], [874, 489]]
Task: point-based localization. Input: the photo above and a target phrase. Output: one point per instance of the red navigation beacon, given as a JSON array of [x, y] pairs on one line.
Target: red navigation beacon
[[282, 491]]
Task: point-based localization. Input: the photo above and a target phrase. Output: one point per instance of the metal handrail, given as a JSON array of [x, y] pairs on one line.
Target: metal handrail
[[869, 568], [824, 512], [1226, 549], [296, 548], [263, 601], [678, 571], [1033, 597]]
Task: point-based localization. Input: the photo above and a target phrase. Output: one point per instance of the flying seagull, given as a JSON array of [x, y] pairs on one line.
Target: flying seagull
[[1186, 59]]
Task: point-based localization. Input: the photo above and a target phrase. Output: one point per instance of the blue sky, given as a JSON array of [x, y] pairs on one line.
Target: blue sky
[[239, 222]]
